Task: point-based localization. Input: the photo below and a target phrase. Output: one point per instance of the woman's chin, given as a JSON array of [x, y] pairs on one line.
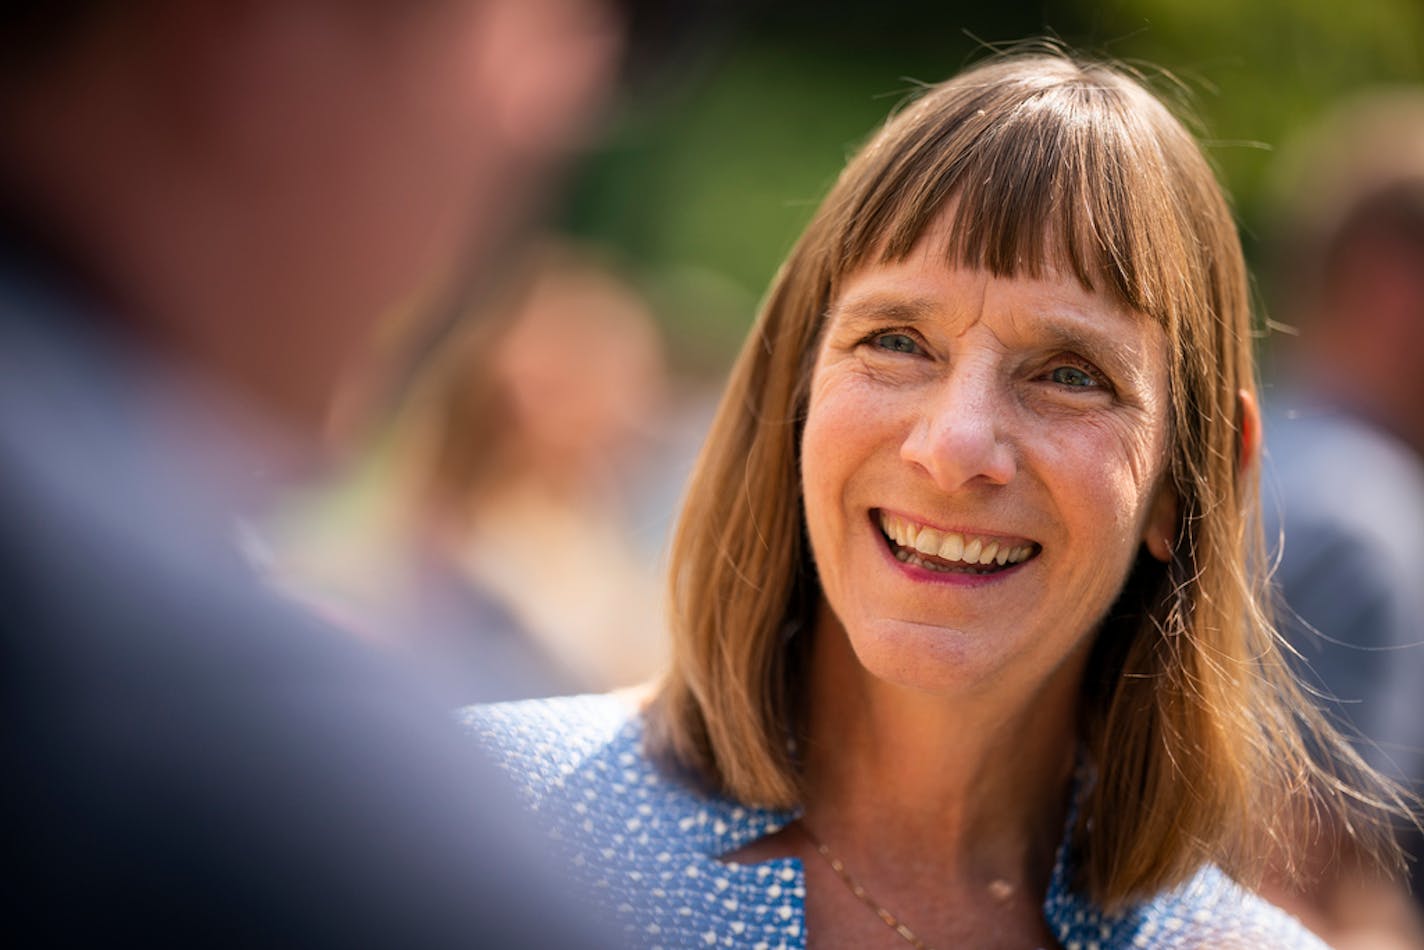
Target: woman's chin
[[941, 660]]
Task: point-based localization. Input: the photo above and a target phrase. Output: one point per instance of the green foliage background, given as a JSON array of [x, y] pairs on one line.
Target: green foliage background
[[709, 175]]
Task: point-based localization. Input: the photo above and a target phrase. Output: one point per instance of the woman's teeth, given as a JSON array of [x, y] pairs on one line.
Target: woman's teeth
[[916, 542], [906, 556]]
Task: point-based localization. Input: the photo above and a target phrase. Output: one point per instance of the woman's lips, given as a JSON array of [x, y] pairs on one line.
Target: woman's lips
[[935, 549]]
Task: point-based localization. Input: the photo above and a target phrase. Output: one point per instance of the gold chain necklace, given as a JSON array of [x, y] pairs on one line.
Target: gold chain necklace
[[889, 919]]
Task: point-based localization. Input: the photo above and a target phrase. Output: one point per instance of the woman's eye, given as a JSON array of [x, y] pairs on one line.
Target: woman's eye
[[1074, 377], [896, 343]]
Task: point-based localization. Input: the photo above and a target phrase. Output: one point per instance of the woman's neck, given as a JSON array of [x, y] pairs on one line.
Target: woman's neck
[[972, 789]]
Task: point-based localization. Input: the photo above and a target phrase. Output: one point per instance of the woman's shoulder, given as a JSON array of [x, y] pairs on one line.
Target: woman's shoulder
[[1209, 912], [587, 754], [541, 742], [1212, 910], [641, 837]]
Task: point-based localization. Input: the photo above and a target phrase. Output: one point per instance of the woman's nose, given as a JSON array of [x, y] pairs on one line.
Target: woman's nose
[[959, 437]]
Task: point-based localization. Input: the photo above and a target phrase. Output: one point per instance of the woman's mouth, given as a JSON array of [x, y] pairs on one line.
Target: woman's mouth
[[952, 552]]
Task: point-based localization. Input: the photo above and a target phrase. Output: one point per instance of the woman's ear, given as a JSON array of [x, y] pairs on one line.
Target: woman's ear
[[1248, 416], [1162, 521]]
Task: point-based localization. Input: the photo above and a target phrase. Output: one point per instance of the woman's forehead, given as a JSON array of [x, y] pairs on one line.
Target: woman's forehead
[[926, 287]]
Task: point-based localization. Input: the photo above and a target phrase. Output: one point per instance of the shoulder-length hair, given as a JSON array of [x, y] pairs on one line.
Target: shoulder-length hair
[[1196, 728]]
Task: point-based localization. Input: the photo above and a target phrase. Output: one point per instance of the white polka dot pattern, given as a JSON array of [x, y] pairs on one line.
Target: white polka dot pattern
[[645, 844]]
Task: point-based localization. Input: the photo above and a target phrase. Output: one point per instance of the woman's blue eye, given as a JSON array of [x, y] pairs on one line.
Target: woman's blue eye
[[1072, 376], [897, 343]]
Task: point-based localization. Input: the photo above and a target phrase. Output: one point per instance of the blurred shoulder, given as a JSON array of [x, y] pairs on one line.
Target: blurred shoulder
[[1315, 459]]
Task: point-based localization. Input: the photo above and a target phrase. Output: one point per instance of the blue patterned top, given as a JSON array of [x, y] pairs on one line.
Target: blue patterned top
[[648, 845]]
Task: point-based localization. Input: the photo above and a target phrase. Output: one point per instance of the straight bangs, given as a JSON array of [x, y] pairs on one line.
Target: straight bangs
[[1060, 171]]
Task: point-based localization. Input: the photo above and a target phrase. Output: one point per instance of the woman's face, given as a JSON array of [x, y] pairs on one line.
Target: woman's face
[[981, 459]]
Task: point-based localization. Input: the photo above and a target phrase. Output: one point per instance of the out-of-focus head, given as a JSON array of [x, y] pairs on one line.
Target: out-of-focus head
[[582, 368], [1348, 255], [1027, 166], [551, 394], [260, 181]]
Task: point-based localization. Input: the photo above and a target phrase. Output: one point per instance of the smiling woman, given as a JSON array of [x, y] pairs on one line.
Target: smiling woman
[[970, 644]]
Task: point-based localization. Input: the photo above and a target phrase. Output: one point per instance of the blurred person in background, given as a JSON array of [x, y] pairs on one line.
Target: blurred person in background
[[204, 207], [507, 469], [1344, 486], [582, 378]]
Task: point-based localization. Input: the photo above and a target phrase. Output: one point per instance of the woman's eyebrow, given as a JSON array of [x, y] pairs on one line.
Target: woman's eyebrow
[[876, 308], [1099, 346]]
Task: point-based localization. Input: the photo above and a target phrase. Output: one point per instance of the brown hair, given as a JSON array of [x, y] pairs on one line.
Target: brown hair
[[1195, 725]]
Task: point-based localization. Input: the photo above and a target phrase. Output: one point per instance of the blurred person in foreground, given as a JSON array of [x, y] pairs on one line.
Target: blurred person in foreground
[[206, 204], [969, 646], [1344, 484]]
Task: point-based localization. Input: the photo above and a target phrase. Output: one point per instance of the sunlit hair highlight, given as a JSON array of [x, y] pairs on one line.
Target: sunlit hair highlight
[[1199, 736]]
